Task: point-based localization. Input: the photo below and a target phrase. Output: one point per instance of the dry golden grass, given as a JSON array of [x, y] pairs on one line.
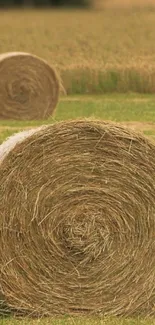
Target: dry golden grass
[[95, 51]]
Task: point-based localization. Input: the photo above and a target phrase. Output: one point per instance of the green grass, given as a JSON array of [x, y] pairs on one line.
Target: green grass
[[115, 107]]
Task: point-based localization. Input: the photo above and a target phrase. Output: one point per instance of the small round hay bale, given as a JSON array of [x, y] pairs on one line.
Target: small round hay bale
[[29, 87], [77, 207]]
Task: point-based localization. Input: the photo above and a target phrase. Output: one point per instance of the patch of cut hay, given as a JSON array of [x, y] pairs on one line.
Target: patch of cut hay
[[29, 87], [77, 207]]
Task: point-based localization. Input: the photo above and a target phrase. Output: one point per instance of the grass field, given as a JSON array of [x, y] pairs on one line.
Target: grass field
[[132, 110]]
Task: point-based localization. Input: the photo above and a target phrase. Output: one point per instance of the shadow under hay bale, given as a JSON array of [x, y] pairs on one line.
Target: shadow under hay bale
[[29, 87], [77, 207]]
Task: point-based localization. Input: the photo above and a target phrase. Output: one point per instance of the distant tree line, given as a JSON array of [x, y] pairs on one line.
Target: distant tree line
[[44, 3]]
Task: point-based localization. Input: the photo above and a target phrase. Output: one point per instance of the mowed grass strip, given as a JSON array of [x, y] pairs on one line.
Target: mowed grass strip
[[115, 107], [133, 110]]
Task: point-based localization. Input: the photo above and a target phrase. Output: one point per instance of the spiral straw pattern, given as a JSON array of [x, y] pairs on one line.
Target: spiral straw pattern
[[77, 207], [29, 87]]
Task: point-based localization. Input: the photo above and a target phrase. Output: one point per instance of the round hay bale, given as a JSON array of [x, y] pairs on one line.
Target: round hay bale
[[29, 87], [77, 207]]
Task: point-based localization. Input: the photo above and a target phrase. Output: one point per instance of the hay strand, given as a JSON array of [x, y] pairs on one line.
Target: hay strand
[[77, 207], [29, 87]]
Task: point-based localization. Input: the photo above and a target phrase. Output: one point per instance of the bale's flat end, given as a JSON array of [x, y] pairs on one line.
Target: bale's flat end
[[29, 87], [77, 206]]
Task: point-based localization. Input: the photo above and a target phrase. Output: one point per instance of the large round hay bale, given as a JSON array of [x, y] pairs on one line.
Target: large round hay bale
[[77, 207], [29, 87]]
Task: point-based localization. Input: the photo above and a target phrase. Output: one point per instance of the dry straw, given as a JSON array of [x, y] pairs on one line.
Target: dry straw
[[29, 87], [77, 207]]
